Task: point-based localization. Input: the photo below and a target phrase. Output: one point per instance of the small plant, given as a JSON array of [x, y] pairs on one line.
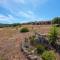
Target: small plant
[[26, 39], [48, 55], [53, 35], [32, 40], [26, 43], [24, 30], [40, 49]]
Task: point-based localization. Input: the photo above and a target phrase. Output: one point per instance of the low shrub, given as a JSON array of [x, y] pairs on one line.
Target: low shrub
[[40, 49], [24, 30], [53, 35], [48, 55]]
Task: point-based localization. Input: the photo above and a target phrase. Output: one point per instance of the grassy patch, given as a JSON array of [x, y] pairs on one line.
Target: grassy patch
[[48, 55]]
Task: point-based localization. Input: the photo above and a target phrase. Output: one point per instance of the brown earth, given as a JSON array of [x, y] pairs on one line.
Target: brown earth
[[10, 40]]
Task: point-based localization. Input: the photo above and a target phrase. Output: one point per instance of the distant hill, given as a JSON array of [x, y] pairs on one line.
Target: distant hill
[[29, 23], [38, 22], [9, 25]]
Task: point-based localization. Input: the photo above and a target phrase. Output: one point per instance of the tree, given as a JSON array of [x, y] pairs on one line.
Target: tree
[[56, 20], [53, 35], [48, 55]]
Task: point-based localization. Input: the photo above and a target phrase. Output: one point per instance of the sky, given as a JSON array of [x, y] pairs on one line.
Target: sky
[[19, 11]]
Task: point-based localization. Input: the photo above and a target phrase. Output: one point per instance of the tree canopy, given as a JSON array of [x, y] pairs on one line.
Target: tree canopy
[[56, 20]]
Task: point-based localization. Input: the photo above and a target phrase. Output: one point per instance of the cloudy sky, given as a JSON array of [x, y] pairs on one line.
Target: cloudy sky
[[15, 11]]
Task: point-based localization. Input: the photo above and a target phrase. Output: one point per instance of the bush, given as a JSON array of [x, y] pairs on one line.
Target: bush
[[24, 30], [48, 55], [53, 35], [40, 49]]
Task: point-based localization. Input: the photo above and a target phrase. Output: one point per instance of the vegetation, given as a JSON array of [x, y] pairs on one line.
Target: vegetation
[[40, 49], [53, 35], [58, 29], [32, 40], [16, 24], [9, 25], [48, 55], [56, 20], [24, 30], [2, 58]]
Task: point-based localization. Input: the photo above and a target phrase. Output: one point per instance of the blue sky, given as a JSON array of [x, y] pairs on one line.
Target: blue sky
[[17, 11]]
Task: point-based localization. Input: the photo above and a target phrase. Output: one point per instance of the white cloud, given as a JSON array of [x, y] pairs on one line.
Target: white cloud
[[27, 14], [30, 16], [2, 17], [12, 5], [6, 19]]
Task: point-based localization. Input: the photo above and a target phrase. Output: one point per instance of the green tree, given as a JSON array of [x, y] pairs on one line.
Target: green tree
[[49, 55], [56, 20], [53, 34]]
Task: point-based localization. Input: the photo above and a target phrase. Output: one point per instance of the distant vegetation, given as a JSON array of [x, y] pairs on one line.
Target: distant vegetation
[[24, 30], [56, 21], [38, 23], [9, 25]]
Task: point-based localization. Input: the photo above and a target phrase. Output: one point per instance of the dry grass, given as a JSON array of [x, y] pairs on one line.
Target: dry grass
[[11, 38], [38, 28]]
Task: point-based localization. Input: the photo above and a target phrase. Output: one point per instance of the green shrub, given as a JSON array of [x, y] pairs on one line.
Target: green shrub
[[40, 49], [24, 30], [53, 35], [48, 55]]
